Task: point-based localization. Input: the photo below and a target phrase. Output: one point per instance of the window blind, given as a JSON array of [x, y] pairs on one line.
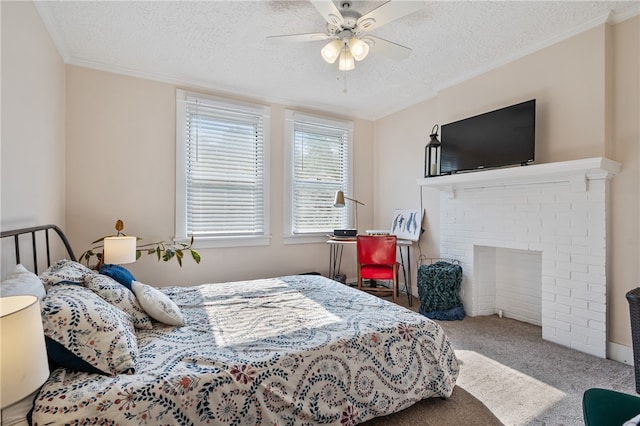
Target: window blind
[[321, 166], [225, 169]]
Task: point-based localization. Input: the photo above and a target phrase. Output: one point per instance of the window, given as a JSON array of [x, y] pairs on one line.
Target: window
[[319, 164], [221, 170]]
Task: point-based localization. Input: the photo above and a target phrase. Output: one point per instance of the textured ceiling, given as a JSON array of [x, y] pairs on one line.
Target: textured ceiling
[[222, 46]]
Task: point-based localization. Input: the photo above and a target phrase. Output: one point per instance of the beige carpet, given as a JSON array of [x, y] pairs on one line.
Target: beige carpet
[[525, 380], [509, 374], [461, 409]]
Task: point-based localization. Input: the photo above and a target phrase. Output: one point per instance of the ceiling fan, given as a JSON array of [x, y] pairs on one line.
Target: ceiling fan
[[348, 31]]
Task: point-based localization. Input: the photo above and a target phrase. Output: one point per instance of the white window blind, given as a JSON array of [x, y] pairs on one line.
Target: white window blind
[[224, 179], [320, 165]]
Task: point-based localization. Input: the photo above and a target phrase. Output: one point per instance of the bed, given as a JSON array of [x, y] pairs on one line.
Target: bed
[[290, 350]]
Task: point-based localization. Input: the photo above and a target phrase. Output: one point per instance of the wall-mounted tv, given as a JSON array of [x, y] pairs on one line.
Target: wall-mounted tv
[[503, 137]]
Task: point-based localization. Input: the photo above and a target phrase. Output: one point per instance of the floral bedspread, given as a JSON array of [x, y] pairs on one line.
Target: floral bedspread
[[293, 350]]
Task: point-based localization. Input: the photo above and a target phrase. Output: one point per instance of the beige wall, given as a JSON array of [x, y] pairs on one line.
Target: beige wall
[[33, 115], [121, 164], [586, 89], [399, 161], [625, 187], [120, 147]]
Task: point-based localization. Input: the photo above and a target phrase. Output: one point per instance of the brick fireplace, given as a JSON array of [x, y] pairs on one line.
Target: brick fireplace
[[532, 242]]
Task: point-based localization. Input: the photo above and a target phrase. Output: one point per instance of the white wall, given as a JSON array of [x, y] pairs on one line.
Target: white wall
[[518, 284], [33, 122]]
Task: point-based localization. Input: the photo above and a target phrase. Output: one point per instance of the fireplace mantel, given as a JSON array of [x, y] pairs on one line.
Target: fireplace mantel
[[554, 213], [577, 172]]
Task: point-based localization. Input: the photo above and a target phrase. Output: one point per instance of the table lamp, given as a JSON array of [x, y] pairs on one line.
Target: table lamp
[[339, 202], [119, 250], [23, 355]]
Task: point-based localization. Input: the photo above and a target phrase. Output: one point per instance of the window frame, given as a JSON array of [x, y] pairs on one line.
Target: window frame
[[264, 238], [291, 116]]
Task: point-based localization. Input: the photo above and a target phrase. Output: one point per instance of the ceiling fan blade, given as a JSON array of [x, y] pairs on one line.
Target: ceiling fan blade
[[297, 38], [329, 11], [387, 48], [388, 12]]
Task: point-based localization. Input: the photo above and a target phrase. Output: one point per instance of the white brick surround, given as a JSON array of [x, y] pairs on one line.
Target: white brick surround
[[555, 211]]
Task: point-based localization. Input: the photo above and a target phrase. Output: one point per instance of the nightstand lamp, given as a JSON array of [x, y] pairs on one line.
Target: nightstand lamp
[[119, 250], [23, 355]]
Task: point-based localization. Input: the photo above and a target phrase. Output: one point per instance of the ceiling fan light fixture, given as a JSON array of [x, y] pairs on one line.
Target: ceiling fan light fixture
[[358, 48], [331, 51], [347, 63]]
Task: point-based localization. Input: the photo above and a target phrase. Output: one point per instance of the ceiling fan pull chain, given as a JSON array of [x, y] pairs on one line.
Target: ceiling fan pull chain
[[344, 90]]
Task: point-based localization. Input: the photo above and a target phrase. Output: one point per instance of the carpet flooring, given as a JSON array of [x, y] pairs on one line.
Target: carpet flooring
[[461, 408], [510, 376], [525, 380]]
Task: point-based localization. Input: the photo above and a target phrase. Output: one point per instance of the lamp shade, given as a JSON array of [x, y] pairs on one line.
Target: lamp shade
[[339, 200], [331, 51], [358, 48], [23, 355], [346, 61], [119, 250]]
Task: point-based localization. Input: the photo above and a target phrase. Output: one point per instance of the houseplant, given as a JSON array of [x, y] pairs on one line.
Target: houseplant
[[163, 250]]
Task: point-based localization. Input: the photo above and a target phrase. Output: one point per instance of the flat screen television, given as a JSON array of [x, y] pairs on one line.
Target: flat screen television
[[499, 138]]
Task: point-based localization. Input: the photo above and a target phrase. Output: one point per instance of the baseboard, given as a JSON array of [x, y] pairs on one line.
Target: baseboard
[[620, 353]]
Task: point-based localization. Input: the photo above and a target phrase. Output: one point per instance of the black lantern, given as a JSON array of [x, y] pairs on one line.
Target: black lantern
[[432, 154]]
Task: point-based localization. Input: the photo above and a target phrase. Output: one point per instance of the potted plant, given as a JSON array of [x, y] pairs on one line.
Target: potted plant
[[163, 250]]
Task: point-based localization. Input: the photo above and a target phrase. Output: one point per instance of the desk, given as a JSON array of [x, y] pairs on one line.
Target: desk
[[336, 247]]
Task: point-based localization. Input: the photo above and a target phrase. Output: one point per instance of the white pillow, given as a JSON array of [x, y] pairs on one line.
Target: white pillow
[[20, 282], [157, 304]]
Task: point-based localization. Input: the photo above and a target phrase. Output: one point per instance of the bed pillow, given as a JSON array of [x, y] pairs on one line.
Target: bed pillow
[[118, 273], [88, 334], [114, 293], [157, 304], [20, 282], [65, 272]]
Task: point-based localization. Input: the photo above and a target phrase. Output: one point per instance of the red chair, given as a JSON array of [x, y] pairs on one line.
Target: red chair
[[377, 261]]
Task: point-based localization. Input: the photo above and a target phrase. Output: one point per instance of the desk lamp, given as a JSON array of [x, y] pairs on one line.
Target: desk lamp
[[339, 202]]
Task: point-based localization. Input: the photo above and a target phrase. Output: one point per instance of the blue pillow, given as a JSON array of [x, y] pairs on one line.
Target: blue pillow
[[118, 273]]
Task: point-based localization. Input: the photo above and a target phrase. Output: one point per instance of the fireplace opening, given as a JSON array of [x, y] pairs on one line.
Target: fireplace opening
[[509, 282]]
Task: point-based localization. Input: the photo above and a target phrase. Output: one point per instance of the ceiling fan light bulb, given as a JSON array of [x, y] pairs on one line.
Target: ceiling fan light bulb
[[331, 51], [346, 61], [358, 48]]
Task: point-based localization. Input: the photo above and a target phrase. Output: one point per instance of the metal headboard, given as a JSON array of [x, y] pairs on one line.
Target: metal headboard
[[16, 233]]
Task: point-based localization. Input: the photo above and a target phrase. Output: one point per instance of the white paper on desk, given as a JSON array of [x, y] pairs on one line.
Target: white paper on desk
[[377, 232], [406, 224]]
